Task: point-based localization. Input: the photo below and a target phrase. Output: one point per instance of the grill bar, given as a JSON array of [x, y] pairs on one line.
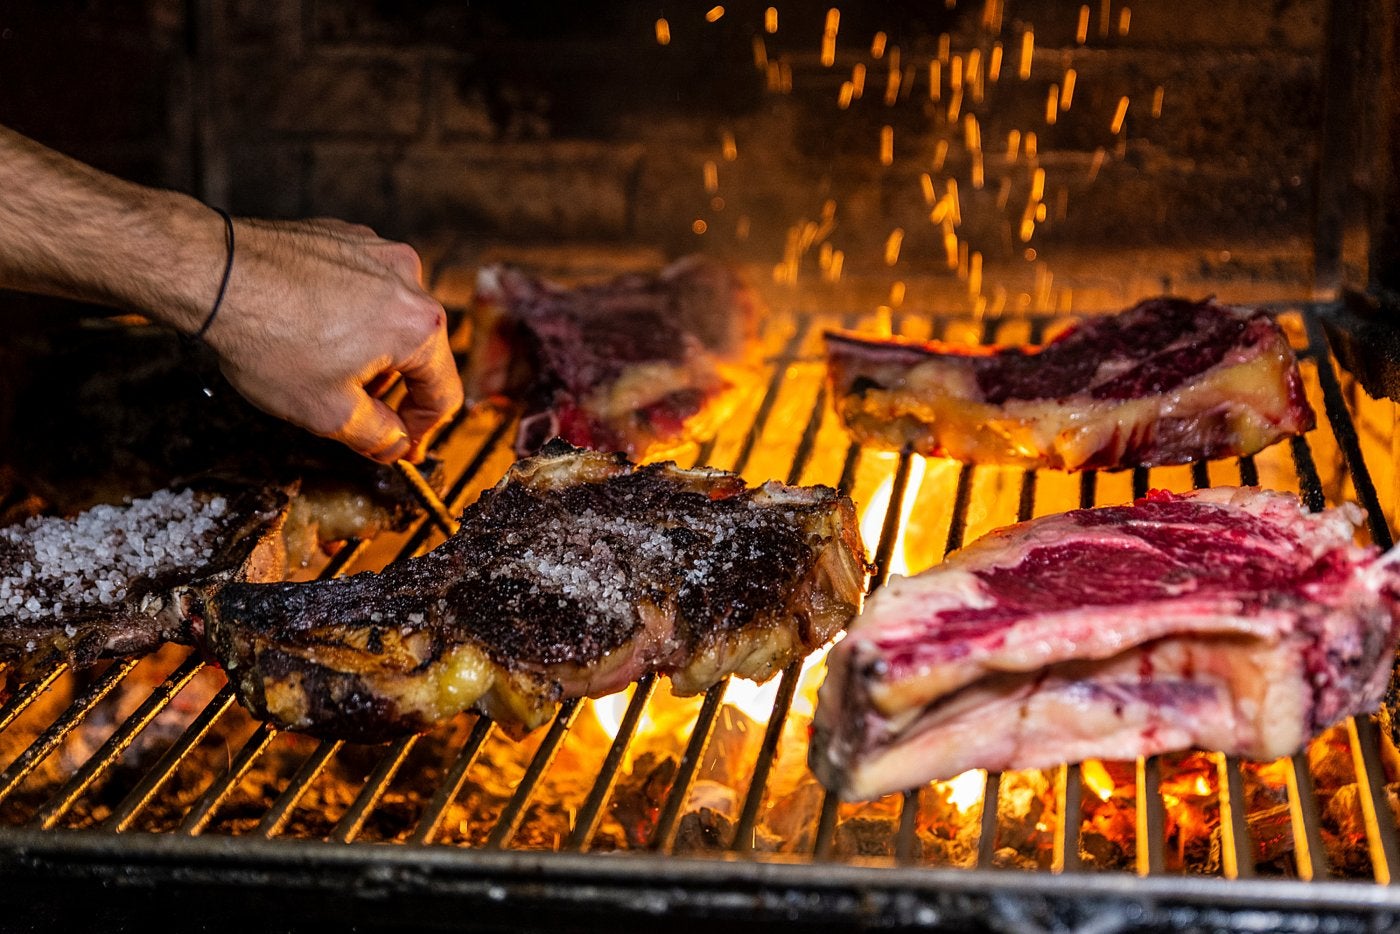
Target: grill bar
[[509, 820], [743, 832], [1141, 482], [120, 740], [1150, 818], [277, 815], [826, 827], [1069, 785], [908, 825], [1303, 812], [991, 804], [218, 791], [592, 810], [767, 753], [49, 740], [889, 529], [353, 820], [430, 821], [140, 796], [1344, 430], [1200, 475], [957, 527], [28, 693], [1309, 483], [664, 838], [1237, 855], [770, 395], [1365, 744], [1249, 472], [437, 510]]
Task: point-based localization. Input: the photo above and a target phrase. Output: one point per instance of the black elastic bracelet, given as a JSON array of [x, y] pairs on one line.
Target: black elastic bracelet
[[223, 283]]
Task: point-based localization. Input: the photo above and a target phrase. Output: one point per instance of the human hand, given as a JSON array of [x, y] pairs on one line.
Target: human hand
[[321, 314]]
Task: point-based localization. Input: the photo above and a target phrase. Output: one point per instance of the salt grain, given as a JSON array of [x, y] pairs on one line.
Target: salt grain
[[52, 565]]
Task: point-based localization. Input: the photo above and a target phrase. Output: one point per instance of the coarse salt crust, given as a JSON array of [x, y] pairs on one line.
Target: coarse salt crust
[[52, 566]]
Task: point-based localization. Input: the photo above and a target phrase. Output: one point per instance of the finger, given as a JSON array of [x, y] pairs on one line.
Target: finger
[[380, 384], [374, 430], [433, 393]]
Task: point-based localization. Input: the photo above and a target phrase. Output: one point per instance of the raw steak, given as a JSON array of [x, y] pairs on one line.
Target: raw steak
[[577, 574], [1229, 619], [637, 364], [1168, 381]]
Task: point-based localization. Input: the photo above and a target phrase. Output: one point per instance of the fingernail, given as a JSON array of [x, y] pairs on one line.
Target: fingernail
[[394, 447]]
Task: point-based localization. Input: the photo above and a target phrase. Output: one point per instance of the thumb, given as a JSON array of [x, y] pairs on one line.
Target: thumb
[[374, 430]]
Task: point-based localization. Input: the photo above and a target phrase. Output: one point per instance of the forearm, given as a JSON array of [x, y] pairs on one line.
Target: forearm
[[314, 311], [68, 229]]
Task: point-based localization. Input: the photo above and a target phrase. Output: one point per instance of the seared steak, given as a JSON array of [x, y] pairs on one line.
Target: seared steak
[[577, 574], [103, 583], [636, 364], [1229, 619], [1168, 381]]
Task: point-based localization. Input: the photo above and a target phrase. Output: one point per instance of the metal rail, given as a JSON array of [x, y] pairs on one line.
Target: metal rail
[[121, 739]]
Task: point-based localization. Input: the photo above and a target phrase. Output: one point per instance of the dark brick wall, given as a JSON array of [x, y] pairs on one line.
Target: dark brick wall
[[567, 121], [104, 80], [561, 122]]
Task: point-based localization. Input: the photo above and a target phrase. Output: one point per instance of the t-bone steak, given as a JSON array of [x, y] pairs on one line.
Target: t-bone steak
[[639, 364], [1168, 381], [574, 576], [1228, 619]]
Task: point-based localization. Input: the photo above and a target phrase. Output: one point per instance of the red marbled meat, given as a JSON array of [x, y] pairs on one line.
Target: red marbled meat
[[637, 364], [1166, 382], [1229, 619]]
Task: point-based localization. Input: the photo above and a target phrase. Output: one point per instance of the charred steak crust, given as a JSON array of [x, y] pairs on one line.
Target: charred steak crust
[[1166, 382], [629, 364], [578, 573], [239, 539], [1228, 619]]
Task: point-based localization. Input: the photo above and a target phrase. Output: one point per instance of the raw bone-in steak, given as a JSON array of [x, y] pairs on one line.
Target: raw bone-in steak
[[1168, 381], [1227, 619], [576, 575], [637, 364]]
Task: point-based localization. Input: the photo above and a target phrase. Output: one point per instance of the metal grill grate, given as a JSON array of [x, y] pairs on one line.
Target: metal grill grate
[[792, 414]]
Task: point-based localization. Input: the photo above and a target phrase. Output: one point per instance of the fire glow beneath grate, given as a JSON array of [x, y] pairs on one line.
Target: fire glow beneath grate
[[157, 744]]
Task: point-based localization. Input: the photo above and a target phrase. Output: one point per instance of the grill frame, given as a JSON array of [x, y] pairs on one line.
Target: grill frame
[[230, 881], [494, 884]]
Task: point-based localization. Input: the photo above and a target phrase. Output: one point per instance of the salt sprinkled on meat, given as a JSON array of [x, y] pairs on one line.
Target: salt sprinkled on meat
[[599, 562], [53, 565]]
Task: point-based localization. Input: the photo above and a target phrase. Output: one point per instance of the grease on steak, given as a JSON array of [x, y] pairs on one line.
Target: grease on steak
[[634, 364], [574, 576], [1166, 382], [1228, 619]]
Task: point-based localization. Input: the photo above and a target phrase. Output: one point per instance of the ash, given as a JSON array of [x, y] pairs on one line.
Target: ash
[[54, 565]]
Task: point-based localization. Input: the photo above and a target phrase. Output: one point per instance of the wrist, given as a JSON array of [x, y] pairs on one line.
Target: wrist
[[186, 262]]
